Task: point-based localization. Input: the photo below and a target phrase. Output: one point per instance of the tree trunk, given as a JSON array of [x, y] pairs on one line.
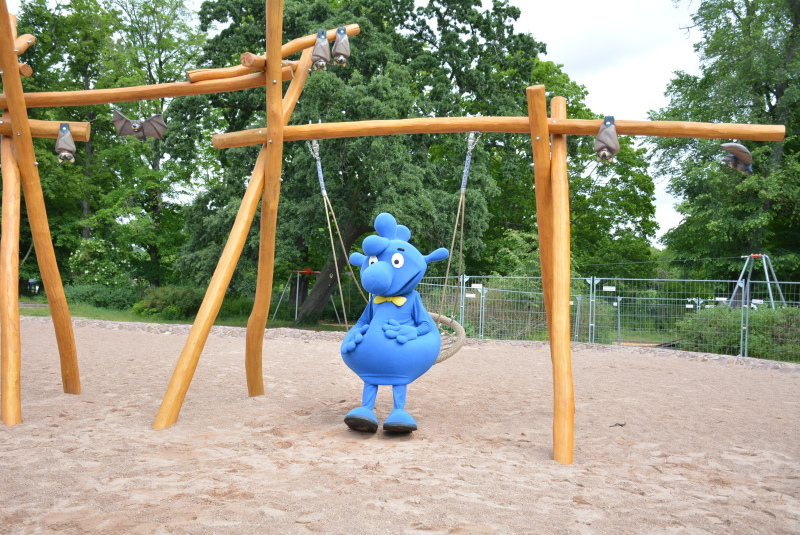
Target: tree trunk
[[326, 281]]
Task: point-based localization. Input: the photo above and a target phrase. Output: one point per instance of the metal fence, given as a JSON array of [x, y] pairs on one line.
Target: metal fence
[[747, 318]]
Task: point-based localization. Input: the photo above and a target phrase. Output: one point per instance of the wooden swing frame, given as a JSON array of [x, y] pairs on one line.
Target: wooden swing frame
[[548, 142]]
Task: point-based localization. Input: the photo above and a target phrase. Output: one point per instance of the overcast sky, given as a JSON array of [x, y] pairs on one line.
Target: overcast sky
[[623, 51]]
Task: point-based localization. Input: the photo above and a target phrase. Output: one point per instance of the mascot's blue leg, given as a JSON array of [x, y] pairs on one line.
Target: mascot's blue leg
[[399, 421], [363, 418]]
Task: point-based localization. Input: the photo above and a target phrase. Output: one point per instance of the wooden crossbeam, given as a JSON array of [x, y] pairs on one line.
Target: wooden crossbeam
[[89, 97], [510, 125], [50, 129], [252, 62]]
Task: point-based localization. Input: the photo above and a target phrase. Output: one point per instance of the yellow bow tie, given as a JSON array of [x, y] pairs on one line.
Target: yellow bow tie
[[397, 300]]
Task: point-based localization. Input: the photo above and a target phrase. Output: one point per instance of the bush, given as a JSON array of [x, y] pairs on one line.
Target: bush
[[102, 296], [171, 302], [772, 334], [98, 262], [236, 307]]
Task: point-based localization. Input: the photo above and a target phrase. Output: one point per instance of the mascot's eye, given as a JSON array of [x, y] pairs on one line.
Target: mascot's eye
[[398, 260], [372, 260]]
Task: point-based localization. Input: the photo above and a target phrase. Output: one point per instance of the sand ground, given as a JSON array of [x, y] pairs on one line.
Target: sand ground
[[708, 445]]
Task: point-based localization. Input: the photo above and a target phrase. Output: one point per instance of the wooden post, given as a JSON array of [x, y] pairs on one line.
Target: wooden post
[[558, 325], [540, 144], [269, 204], [187, 363], [297, 85], [552, 215], [10, 407], [34, 201]]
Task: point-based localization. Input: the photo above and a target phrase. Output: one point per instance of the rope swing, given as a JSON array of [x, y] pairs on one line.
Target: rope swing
[[455, 345], [451, 342], [313, 146]]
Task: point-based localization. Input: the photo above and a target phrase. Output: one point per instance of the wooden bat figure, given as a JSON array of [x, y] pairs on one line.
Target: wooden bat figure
[[341, 47], [739, 158], [65, 145], [141, 128], [607, 144], [321, 54]]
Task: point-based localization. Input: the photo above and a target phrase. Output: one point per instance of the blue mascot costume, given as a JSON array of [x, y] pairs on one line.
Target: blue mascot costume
[[395, 340]]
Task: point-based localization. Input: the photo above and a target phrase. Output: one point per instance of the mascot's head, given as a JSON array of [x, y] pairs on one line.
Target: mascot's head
[[392, 266]]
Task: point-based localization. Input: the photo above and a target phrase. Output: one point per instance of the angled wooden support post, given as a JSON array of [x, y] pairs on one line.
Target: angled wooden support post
[[190, 356], [34, 201], [257, 321], [552, 214], [10, 406]]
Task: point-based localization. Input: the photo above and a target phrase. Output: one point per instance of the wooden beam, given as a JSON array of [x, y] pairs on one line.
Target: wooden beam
[[558, 324], [297, 85], [10, 406], [511, 125], [190, 356], [34, 201], [252, 62], [301, 43], [23, 42], [58, 99], [25, 70], [49, 129], [201, 75], [258, 63], [257, 321]]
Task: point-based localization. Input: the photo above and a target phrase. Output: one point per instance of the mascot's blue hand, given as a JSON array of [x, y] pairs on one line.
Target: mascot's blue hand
[[401, 333], [353, 337]]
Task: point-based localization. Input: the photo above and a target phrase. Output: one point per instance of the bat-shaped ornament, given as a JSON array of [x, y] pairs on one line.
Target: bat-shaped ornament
[[65, 145], [341, 47], [607, 145], [141, 128], [739, 158], [321, 54]]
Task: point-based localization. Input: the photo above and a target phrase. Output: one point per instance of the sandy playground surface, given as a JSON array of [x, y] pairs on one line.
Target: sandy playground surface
[[709, 444]]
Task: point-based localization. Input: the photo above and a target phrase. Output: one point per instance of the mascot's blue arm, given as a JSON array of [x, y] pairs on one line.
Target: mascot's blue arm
[[421, 317]]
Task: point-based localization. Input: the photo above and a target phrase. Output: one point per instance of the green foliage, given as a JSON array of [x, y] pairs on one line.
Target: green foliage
[[119, 190], [773, 334], [96, 261], [171, 302], [119, 297], [235, 307], [444, 58], [750, 70]]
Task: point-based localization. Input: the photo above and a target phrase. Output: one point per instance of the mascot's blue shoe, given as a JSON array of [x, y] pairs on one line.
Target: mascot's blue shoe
[[362, 419], [399, 421]]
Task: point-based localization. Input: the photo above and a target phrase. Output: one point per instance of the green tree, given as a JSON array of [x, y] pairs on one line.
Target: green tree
[[156, 43], [70, 54], [445, 58], [750, 69]]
